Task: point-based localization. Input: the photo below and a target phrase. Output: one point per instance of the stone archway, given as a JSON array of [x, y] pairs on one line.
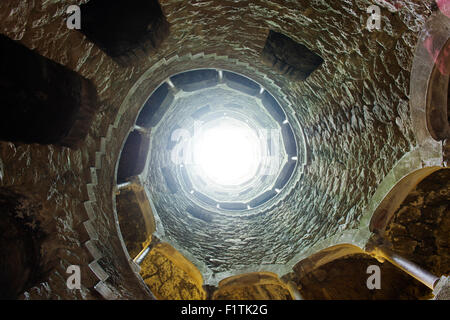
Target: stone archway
[[253, 286]]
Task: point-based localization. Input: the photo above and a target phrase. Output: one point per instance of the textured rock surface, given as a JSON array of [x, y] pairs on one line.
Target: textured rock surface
[[420, 228], [171, 276], [345, 279], [354, 110], [442, 290]]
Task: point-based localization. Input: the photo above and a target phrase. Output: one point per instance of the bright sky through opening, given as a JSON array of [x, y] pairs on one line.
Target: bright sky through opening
[[228, 153]]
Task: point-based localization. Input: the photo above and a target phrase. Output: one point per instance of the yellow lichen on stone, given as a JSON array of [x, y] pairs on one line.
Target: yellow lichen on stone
[[170, 276], [253, 286]]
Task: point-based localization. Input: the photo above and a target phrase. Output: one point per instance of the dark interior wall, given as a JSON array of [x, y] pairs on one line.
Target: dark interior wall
[[420, 228], [438, 102], [252, 286], [136, 223], [133, 156], [20, 240], [42, 101], [346, 279], [290, 58], [124, 29]]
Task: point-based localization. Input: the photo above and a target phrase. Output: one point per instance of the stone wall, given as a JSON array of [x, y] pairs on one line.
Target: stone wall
[[354, 110], [420, 228]]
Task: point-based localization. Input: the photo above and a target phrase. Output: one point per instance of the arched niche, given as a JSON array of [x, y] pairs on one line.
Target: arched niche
[[253, 286], [124, 30], [325, 256], [134, 154], [418, 229], [396, 195], [169, 275], [343, 274], [438, 96]]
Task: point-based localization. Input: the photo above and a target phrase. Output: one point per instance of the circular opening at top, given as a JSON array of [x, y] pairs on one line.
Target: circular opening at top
[[227, 151], [220, 142]]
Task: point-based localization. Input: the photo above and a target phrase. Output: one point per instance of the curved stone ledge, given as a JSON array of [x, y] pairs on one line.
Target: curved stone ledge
[[253, 286], [394, 188], [325, 256]]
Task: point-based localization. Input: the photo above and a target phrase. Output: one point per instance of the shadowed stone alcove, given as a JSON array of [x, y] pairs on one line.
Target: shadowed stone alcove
[[42, 101], [124, 29], [21, 265]]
